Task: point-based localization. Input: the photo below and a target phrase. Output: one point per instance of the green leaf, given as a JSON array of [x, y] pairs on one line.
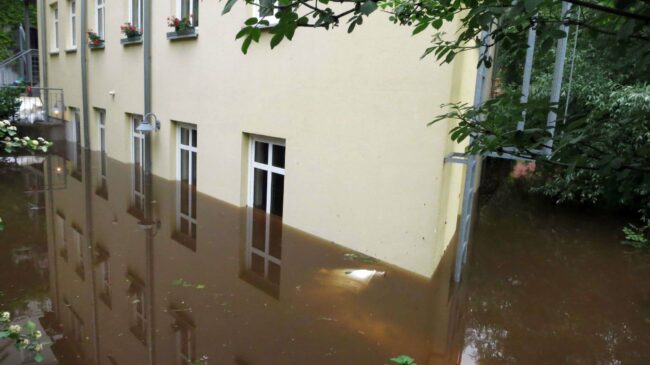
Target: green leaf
[[245, 44], [228, 6], [420, 27], [368, 7], [38, 357], [251, 21], [277, 38], [403, 360]]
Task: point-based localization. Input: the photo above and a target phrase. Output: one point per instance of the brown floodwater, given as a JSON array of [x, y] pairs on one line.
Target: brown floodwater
[[114, 275]]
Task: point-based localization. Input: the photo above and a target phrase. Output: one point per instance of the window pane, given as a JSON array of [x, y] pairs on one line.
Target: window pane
[[278, 156], [257, 264], [193, 168], [259, 189], [261, 152], [185, 8], [195, 13], [185, 138], [259, 230], [194, 138], [185, 166], [277, 194]]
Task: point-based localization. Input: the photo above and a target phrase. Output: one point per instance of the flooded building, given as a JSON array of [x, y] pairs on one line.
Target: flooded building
[[327, 134]]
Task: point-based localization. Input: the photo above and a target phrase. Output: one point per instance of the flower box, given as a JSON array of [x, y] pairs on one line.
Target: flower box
[[131, 40], [182, 34]]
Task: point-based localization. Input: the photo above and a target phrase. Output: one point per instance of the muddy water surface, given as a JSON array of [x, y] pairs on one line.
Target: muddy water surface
[[117, 277]]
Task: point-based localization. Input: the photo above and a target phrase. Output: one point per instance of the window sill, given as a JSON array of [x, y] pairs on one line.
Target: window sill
[[94, 47], [71, 50], [187, 34], [131, 41], [54, 52]]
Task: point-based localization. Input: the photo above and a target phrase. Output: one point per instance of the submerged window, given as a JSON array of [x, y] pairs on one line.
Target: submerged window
[[55, 25], [188, 9], [73, 22], [100, 17], [135, 13], [138, 165], [186, 191], [264, 221], [102, 190]]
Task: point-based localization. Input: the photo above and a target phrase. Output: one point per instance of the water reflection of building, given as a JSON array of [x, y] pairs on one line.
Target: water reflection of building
[[247, 290]]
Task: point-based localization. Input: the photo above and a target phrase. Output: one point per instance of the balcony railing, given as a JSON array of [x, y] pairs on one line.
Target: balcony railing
[[36, 104]]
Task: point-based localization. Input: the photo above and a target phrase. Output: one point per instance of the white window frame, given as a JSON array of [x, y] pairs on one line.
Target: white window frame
[[100, 6], [55, 24], [137, 191], [179, 15], [189, 148], [73, 23], [138, 24], [270, 169], [252, 165]]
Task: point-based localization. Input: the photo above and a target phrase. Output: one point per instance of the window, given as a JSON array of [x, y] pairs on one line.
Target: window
[[186, 191], [138, 164], [135, 13], [185, 344], [266, 176], [74, 134], [55, 25], [73, 22], [188, 8], [263, 252], [102, 190], [100, 17]]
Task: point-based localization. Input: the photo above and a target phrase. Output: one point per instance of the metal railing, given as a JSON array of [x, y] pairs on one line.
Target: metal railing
[[22, 67], [37, 104]]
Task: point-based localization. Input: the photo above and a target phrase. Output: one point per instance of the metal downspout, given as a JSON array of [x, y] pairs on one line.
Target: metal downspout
[[148, 186], [87, 176]]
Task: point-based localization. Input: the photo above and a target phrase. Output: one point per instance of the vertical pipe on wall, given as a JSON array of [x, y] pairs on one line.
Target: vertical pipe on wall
[[148, 185]]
